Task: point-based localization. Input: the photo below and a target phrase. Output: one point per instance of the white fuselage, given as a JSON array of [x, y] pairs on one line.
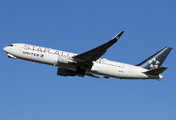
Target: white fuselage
[[101, 66]]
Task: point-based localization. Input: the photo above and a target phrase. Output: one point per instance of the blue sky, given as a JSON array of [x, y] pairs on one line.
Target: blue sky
[[32, 91]]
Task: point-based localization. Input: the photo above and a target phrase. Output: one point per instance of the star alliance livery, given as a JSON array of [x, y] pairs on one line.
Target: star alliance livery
[[89, 63]]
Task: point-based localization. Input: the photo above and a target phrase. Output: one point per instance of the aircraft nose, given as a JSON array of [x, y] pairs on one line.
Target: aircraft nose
[[5, 49]]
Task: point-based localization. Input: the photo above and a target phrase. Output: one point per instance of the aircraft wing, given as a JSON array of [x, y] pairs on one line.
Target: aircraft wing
[[96, 53]]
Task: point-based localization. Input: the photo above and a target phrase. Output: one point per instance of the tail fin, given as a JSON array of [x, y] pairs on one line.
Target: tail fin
[[156, 60]]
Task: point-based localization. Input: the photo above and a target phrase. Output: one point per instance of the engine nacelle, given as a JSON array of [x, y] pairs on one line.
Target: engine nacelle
[[64, 59], [65, 72]]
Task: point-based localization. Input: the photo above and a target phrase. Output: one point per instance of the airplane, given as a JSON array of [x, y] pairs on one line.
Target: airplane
[[89, 63]]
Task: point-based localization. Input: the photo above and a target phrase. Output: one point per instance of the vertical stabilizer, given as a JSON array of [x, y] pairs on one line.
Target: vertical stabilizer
[[156, 60]]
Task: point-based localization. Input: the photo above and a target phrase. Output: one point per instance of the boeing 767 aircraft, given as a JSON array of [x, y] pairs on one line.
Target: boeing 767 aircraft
[[89, 63]]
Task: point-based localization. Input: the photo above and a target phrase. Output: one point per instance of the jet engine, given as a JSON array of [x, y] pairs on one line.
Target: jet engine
[[65, 72]]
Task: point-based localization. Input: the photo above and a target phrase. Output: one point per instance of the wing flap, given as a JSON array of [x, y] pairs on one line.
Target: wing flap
[[92, 75]]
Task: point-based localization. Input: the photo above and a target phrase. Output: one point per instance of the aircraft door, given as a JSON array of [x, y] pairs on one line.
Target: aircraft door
[[130, 69], [20, 47]]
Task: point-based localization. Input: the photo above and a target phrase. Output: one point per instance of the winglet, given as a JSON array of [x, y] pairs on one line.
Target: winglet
[[114, 39]]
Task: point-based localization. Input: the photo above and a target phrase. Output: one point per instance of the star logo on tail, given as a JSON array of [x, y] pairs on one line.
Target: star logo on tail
[[154, 63]]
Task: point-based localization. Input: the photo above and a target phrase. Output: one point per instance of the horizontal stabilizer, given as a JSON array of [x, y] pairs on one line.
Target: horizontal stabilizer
[[156, 71]]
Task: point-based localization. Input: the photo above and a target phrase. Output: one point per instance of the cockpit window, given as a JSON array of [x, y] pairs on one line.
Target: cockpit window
[[11, 45]]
